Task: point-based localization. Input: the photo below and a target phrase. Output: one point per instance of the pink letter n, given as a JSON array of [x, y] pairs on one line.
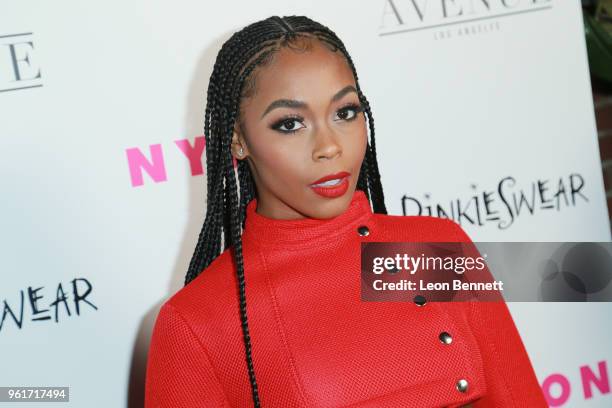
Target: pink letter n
[[137, 162]]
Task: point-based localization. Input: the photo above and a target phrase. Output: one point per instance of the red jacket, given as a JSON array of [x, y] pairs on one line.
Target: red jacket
[[315, 343]]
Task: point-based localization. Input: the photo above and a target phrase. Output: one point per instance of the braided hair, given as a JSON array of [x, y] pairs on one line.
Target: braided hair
[[231, 81]]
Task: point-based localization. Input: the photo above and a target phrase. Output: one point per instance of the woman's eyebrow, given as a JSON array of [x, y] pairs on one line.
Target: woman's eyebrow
[[292, 103]]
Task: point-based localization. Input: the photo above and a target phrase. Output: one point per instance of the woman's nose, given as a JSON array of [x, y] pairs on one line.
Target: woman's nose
[[326, 146]]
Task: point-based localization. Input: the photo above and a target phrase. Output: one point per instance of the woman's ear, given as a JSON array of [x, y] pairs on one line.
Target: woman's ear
[[238, 147]]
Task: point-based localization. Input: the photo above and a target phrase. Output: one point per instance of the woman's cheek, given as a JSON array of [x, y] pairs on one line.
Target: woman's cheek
[[280, 166]]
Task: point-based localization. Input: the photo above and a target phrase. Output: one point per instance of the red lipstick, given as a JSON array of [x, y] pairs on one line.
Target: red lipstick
[[334, 185]]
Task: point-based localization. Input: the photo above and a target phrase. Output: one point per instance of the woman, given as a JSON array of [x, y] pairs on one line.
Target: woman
[[285, 102]]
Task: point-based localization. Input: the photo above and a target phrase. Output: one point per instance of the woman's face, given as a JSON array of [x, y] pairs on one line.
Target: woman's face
[[303, 122]]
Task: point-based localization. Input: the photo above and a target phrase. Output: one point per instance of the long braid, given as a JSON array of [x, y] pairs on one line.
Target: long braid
[[232, 80], [216, 213]]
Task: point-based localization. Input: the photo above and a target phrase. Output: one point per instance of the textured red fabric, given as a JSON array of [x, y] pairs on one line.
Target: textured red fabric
[[315, 343]]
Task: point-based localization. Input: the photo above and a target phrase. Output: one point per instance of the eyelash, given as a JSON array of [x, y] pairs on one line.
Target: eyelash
[[350, 106]]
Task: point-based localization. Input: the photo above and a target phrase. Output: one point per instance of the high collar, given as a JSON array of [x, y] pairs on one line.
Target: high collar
[[277, 232]]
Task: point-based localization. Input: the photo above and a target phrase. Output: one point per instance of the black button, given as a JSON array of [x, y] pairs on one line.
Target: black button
[[445, 338], [462, 385], [420, 300], [363, 230]]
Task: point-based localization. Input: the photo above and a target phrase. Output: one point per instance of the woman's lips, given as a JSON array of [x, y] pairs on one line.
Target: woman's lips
[[330, 177], [332, 191]]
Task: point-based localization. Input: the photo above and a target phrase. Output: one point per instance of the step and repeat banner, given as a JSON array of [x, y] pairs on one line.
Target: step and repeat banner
[[483, 113]]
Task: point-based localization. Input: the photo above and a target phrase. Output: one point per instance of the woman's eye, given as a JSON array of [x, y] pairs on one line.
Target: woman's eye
[[287, 125], [348, 112]]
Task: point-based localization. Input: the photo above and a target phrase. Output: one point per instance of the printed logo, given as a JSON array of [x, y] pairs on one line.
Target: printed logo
[[33, 306], [444, 16], [18, 66], [504, 204]]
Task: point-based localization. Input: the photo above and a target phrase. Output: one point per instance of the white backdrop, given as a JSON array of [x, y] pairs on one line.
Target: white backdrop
[[470, 104]]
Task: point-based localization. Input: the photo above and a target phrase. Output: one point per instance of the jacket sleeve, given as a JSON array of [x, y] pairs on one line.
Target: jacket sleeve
[[509, 375], [179, 372]]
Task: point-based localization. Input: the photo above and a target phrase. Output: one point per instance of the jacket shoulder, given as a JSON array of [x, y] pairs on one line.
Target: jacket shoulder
[[202, 298], [420, 228]]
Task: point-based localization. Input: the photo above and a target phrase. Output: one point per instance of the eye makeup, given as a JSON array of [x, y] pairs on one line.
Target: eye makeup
[[288, 121]]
